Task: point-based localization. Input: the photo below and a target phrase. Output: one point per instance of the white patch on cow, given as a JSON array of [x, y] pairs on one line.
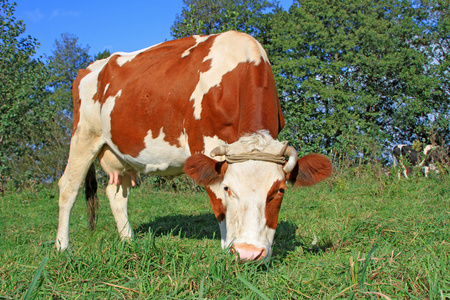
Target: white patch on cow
[[107, 108], [198, 39], [159, 156], [106, 88], [125, 57], [228, 50], [98, 65], [211, 143], [184, 143], [270, 233], [428, 149], [90, 109]]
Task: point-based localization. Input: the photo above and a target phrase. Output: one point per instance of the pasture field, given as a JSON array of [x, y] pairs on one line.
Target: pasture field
[[355, 236]]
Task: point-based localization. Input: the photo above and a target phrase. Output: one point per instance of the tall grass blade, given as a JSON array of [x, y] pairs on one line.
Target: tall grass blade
[[253, 288], [366, 265], [35, 279], [202, 286]]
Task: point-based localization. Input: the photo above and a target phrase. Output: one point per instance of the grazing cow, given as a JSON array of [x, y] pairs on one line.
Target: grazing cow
[[426, 159], [436, 157], [402, 153], [205, 105]]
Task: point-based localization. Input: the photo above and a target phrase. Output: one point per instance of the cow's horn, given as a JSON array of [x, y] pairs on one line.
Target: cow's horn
[[292, 153], [220, 150]]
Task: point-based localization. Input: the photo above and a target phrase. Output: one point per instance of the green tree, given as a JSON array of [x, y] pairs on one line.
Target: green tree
[[68, 57], [208, 16], [436, 22], [35, 102], [22, 93], [104, 54], [352, 74]]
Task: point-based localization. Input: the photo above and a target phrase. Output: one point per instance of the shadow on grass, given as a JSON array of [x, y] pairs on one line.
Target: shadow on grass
[[287, 241], [205, 226], [191, 227]]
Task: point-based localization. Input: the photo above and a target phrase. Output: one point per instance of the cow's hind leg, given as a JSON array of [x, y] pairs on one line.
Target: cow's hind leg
[[84, 147], [122, 177], [118, 199]]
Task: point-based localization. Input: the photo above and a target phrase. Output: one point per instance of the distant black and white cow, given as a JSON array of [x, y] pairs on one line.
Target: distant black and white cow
[[426, 159]]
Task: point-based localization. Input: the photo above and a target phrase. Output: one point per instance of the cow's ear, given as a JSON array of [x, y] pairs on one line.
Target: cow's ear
[[310, 169], [204, 170]]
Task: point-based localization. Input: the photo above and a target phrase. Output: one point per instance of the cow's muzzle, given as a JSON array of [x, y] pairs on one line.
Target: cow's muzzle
[[248, 252]]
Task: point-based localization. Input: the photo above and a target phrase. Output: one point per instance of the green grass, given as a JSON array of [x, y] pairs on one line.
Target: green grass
[[351, 237]]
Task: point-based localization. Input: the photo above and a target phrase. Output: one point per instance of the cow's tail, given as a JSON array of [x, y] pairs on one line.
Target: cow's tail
[[91, 197]]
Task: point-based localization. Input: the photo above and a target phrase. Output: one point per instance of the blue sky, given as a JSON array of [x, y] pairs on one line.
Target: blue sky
[[114, 25]]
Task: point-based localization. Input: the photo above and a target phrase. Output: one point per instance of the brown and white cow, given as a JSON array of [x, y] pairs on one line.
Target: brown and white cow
[[205, 105]]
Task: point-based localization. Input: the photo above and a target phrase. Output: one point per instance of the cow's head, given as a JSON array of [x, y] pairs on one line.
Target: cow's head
[[246, 188]]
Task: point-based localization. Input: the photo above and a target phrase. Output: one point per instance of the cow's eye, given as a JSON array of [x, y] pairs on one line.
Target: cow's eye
[[226, 189], [281, 192]]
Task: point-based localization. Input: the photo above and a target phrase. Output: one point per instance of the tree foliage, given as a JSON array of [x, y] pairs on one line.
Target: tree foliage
[[68, 57], [208, 16], [436, 21], [35, 102], [22, 89], [102, 55], [354, 74]]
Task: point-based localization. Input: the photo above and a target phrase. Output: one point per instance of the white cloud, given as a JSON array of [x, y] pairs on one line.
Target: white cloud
[[35, 15], [64, 13]]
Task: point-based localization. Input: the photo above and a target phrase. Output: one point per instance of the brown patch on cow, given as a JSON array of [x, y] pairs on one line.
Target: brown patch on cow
[[76, 98], [216, 205], [273, 203], [310, 169], [204, 170], [259, 97], [245, 102]]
